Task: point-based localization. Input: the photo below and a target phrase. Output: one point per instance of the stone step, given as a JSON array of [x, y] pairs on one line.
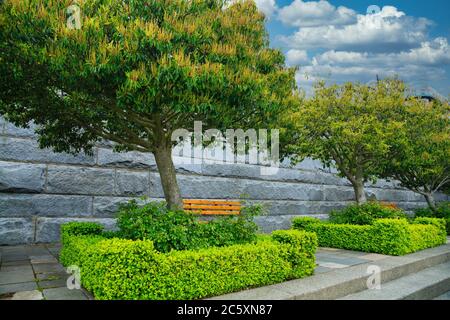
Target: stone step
[[343, 282], [444, 296], [423, 285]]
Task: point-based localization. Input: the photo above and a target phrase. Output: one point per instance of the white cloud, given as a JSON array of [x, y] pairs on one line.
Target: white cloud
[[389, 30], [296, 57], [315, 13], [339, 45], [268, 7], [418, 66], [430, 54]]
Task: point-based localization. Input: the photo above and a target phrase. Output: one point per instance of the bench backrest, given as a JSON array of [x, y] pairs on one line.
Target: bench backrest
[[212, 207]]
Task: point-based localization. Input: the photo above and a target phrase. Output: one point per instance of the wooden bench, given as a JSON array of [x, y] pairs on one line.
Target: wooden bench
[[212, 207]]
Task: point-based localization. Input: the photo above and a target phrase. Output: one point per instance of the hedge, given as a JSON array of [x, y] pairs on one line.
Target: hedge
[[132, 269], [385, 236]]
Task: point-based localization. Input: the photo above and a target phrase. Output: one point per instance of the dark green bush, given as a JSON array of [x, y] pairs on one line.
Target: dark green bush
[[363, 214], [133, 269], [81, 228], [153, 221], [386, 236], [302, 222], [179, 230], [442, 211]]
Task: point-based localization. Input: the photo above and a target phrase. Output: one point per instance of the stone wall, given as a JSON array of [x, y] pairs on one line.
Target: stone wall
[[40, 189]]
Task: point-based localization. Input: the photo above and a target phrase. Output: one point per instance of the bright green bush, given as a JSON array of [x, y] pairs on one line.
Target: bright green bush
[[441, 224], [76, 237], [302, 250], [303, 222], [442, 211], [393, 236], [385, 236], [179, 230], [363, 214], [133, 269], [352, 237]]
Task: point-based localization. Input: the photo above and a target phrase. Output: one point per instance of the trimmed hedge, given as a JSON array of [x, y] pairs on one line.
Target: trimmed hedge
[[132, 269], [442, 211], [385, 236]]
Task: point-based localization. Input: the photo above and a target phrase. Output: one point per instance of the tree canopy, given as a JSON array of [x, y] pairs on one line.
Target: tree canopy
[[347, 126], [420, 154], [136, 70]]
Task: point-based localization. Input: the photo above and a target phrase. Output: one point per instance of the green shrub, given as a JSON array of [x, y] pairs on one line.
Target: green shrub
[[422, 238], [302, 250], [363, 214], [345, 236], [442, 211], [75, 237], [392, 236], [179, 230], [441, 224], [153, 221], [74, 248], [385, 236], [81, 228], [133, 269], [303, 222]]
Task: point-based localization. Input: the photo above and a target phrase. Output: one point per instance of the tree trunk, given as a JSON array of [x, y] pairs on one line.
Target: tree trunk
[[167, 173], [360, 194], [430, 200]]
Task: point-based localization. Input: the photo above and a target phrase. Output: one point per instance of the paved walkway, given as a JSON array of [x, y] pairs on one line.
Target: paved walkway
[[329, 259], [33, 272]]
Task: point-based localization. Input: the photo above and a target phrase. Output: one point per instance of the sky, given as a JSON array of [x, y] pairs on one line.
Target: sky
[[358, 40]]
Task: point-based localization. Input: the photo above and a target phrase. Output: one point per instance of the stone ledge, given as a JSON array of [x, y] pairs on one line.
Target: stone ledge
[[48, 229]]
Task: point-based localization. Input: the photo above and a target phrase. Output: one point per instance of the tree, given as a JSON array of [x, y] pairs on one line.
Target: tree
[[420, 153], [347, 127], [133, 71]]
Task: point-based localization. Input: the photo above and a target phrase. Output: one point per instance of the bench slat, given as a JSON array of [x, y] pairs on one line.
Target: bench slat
[[209, 202], [212, 207], [218, 207], [215, 212]]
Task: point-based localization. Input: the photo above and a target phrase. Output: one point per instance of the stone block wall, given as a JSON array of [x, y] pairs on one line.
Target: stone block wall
[[40, 190]]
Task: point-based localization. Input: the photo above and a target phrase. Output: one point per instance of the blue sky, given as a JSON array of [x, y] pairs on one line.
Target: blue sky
[[339, 40]]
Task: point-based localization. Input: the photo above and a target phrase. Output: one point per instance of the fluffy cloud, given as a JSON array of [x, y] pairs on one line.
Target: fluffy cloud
[[418, 66], [388, 30], [429, 54], [268, 7], [313, 14], [296, 57], [337, 44]]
